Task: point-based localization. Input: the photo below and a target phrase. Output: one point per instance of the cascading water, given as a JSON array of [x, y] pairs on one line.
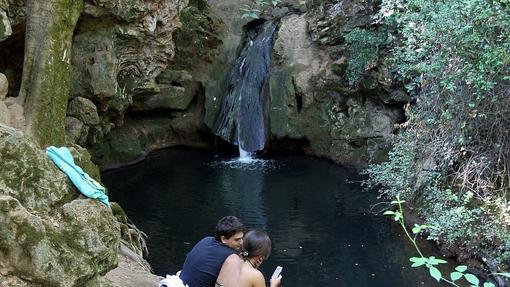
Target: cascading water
[[242, 119]]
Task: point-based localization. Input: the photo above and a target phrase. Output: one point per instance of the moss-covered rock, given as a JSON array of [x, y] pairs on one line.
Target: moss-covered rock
[[32, 178], [49, 235], [46, 71]]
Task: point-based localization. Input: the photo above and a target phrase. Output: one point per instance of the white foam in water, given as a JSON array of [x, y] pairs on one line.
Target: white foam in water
[[246, 161], [245, 156]]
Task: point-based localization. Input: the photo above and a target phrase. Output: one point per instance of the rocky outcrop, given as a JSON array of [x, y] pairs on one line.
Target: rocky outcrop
[[119, 47], [49, 234], [160, 104], [310, 98]]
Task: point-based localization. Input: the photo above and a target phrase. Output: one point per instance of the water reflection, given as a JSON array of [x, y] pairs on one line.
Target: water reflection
[[322, 230]]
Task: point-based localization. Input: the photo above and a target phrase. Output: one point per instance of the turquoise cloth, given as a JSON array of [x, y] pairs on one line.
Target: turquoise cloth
[[63, 158]]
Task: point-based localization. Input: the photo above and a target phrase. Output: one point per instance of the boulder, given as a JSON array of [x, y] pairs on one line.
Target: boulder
[[170, 77], [49, 234], [169, 97], [84, 110]]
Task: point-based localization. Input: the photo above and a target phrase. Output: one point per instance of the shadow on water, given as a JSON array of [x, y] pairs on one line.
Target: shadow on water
[[319, 220]]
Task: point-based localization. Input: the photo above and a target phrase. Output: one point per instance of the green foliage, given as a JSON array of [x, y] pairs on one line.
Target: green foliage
[[363, 46], [432, 263], [254, 11], [452, 157]]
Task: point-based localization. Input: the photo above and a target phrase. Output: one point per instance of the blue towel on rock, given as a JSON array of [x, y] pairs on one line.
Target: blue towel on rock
[[63, 158]]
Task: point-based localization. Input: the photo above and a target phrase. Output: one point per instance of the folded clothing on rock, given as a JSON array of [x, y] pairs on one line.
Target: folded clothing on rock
[[63, 158]]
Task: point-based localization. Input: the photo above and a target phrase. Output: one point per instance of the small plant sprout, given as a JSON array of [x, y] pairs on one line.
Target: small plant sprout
[[432, 263]]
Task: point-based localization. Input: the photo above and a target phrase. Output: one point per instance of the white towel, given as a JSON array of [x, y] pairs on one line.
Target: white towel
[[172, 281]]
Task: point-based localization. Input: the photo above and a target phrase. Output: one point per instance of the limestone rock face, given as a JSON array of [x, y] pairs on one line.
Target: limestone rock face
[[119, 48], [310, 97], [167, 99], [49, 234]]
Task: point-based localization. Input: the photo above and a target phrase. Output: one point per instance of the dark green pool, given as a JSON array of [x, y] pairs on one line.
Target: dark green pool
[[323, 230]]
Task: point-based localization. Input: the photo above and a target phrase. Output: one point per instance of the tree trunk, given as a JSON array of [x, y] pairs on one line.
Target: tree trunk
[[46, 68]]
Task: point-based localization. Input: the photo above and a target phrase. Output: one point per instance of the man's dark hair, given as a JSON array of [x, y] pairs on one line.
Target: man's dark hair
[[228, 226]]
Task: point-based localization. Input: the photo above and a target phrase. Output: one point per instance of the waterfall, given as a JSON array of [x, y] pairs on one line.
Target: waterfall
[[245, 156], [242, 119]]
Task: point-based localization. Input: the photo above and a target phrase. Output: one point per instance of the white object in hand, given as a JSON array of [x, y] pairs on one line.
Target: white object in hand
[[277, 271]]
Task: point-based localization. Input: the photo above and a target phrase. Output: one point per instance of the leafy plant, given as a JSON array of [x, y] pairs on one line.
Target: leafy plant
[[431, 262], [363, 46], [451, 158]]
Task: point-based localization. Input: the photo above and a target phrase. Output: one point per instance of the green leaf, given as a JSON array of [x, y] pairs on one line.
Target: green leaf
[[461, 268], [488, 284], [435, 261], [435, 273], [456, 276], [389, 212], [472, 279], [419, 260], [504, 274], [417, 264], [398, 216], [416, 229]]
